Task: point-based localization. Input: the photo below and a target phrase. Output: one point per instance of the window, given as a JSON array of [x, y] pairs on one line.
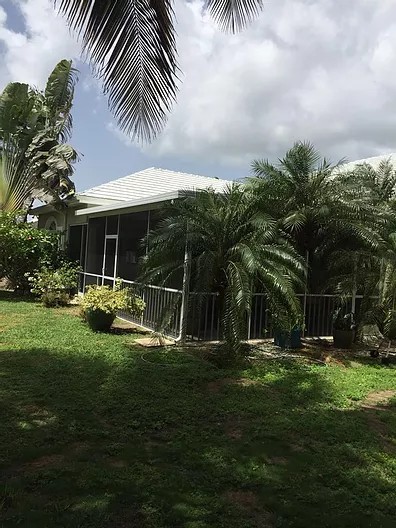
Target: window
[[76, 247], [51, 224], [112, 225], [133, 228], [96, 239]]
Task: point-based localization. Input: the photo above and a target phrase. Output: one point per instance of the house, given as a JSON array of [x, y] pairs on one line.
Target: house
[[104, 225]]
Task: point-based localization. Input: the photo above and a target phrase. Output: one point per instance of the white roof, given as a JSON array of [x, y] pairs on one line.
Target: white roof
[[374, 162], [152, 182]]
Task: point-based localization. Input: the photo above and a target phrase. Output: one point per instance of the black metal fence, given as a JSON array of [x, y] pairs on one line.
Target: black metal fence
[[318, 310], [163, 311]]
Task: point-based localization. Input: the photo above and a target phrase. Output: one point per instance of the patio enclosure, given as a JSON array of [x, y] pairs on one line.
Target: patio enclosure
[[110, 247]]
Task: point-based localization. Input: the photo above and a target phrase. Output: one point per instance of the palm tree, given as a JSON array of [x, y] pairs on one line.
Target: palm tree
[[132, 46], [316, 206], [35, 161], [234, 250], [368, 269]]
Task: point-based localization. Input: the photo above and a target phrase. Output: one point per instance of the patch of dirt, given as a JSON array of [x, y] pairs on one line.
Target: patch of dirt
[[44, 462], [233, 431], [77, 448], [126, 519], [376, 400], [277, 461], [39, 416], [332, 359], [245, 499], [297, 448], [249, 502], [216, 385], [379, 427], [70, 309], [234, 426], [117, 463]]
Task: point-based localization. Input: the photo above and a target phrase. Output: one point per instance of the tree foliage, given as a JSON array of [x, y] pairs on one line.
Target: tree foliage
[[235, 250], [25, 249], [35, 161]]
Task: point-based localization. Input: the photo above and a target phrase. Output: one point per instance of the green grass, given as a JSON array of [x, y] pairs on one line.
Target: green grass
[[94, 435]]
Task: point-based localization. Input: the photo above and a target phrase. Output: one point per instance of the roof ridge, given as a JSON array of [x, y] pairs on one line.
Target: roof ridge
[[190, 174], [121, 178]]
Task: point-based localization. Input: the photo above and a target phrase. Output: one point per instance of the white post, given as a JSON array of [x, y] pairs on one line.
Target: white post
[[305, 293], [354, 288], [185, 295]]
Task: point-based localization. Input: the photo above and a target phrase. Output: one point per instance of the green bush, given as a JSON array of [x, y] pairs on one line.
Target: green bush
[[109, 301], [25, 249], [54, 287]]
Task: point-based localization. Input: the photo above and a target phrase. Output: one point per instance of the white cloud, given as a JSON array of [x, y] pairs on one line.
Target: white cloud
[[31, 56], [307, 69], [126, 140], [320, 70]]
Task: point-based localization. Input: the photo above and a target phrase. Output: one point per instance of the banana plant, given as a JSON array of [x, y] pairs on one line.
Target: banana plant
[[35, 160]]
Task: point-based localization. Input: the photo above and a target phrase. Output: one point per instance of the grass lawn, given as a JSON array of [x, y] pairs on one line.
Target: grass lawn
[[94, 435]]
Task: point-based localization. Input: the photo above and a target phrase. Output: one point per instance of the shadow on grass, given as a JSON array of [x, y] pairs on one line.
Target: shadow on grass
[[11, 296], [96, 442]]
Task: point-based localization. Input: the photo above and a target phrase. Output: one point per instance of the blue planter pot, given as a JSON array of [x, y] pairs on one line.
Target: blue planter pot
[[285, 339]]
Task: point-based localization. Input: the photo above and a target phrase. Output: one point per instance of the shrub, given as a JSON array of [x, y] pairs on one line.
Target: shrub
[[101, 303], [343, 321], [109, 301], [54, 287], [25, 249]]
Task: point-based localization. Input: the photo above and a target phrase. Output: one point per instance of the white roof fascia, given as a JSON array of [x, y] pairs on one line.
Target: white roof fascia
[[86, 199], [164, 197]]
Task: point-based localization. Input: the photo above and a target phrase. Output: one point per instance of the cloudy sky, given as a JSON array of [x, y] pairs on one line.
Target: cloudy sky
[[321, 70]]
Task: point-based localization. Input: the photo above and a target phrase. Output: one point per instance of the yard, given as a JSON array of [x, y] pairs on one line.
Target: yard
[[98, 432]]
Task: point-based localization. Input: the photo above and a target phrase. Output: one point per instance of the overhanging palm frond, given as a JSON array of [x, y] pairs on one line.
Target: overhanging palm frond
[[132, 45], [234, 15], [58, 97]]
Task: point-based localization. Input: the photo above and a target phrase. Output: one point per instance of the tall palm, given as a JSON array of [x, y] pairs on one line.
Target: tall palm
[[35, 161], [234, 250], [361, 268], [315, 205], [132, 46]]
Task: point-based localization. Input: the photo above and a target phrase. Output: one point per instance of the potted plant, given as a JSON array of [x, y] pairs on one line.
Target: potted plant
[[100, 305], [344, 329], [287, 329]]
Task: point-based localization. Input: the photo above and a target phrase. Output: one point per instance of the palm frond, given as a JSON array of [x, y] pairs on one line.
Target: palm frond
[[132, 45], [234, 15]]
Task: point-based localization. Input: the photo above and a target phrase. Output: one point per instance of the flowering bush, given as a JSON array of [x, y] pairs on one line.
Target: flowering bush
[[54, 287], [109, 301]]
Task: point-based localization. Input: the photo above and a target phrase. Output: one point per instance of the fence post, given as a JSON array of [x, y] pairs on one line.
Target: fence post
[[354, 290], [305, 293], [185, 295]]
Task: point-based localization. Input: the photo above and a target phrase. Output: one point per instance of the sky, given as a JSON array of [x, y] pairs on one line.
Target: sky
[[317, 70]]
